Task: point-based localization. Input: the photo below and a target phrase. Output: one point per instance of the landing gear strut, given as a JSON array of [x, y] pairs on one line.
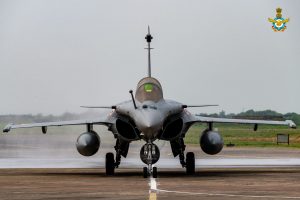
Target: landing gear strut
[[149, 155], [118, 158], [178, 148], [188, 163], [121, 148], [111, 164]]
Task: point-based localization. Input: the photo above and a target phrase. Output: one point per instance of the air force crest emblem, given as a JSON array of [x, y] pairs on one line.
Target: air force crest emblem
[[279, 22]]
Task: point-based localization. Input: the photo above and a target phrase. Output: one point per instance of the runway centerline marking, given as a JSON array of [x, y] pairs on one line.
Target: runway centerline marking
[[153, 189], [227, 195]]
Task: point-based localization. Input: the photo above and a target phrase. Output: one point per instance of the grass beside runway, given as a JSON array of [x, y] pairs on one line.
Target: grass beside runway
[[243, 135]]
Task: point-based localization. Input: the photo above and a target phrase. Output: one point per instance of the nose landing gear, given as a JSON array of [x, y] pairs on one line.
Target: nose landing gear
[[150, 155], [147, 173]]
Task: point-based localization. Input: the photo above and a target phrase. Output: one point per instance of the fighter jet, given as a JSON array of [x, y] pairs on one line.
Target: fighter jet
[[149, 117]]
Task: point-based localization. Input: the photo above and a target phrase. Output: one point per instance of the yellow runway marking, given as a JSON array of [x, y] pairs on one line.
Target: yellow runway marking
[[152, 196]]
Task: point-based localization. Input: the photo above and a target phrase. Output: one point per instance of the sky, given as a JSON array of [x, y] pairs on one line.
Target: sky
[[56, 55]]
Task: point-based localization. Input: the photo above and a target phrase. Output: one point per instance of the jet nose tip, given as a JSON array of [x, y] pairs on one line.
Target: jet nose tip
[[149, 125], [149, 122]]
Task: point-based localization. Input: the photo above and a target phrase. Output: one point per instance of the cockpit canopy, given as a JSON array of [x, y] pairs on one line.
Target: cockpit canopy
[[148, 89]]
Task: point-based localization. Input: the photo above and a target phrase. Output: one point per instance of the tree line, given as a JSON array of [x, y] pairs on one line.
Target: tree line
[[262, 115]]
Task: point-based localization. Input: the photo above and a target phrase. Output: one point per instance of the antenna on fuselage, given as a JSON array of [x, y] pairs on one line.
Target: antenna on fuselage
[[133, 100], [149, 38]]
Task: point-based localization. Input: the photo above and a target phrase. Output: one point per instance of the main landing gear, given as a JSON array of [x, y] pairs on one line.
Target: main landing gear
[[188, 163], [110, 164], [121, 148], [149, 155]]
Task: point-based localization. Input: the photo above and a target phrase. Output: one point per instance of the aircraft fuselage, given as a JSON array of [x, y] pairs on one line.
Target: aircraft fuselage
[[149, 116]]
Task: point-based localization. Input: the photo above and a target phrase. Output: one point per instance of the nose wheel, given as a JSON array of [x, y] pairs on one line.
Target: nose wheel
[[152, 172], [147, 173], [149, 155]]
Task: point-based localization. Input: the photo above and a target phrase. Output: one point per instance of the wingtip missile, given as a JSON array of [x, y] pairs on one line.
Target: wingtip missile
[[291, 124], [105, 107], [198, 106], [7, 128]]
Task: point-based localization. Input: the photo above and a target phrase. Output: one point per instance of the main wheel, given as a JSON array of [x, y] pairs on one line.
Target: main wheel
[[145, 172], [190, 163], [154, 172], [110, 164]]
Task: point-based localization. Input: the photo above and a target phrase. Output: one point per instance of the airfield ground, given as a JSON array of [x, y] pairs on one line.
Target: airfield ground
[[36, 166], [243, 135], [208, 183], [73, 184]]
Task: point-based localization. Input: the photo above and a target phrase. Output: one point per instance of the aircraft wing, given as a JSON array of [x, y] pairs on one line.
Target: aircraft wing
[[289, 123], [105, 120]]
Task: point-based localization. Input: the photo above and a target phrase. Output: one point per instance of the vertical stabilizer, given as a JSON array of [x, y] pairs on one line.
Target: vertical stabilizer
[[148, 39]]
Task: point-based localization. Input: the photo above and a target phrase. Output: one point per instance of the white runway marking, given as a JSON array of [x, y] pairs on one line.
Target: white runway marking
[[227, 195], [153, 185], [153, 189]]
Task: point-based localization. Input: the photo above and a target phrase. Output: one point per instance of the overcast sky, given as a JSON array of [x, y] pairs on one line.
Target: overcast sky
[[56, 55]]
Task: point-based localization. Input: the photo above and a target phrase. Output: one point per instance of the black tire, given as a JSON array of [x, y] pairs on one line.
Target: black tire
[[145, 172], [110, 164], [190, 163], [154, 172]]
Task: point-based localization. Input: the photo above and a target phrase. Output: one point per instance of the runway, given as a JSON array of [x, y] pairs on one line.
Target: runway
[[48, 167], [218, 178], [128, 184], [33, 150], [217, 163]]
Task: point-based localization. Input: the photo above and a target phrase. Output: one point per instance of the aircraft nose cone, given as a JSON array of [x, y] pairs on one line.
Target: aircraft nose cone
[[149, 124], [149, 128]]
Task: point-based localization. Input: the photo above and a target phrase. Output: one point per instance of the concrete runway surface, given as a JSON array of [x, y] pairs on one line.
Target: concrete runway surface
[[35, 166]]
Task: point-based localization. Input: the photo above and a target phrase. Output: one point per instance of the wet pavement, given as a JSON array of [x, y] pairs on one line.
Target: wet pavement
[[36, 166]]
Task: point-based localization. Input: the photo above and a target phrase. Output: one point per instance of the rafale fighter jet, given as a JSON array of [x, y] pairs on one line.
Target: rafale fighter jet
[[149, 117]]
